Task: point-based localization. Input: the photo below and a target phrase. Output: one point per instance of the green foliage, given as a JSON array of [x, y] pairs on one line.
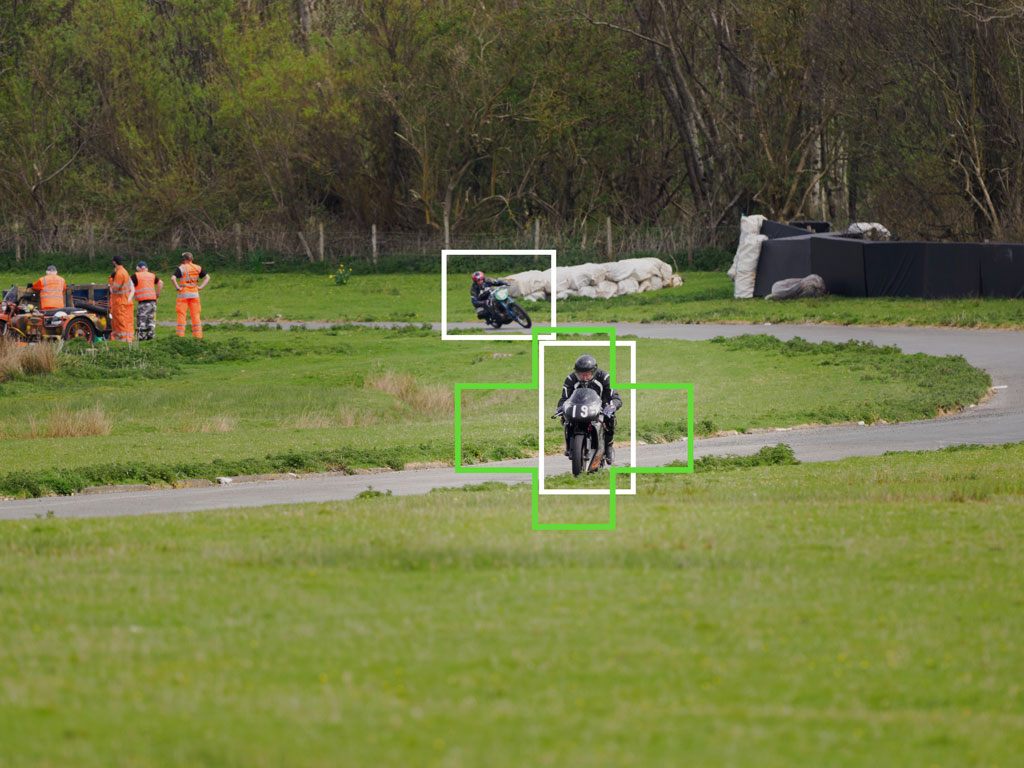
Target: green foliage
[[768, 456]]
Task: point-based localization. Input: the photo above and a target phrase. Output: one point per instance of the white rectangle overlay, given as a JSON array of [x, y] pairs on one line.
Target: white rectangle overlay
[[542, 415], [445, 336]]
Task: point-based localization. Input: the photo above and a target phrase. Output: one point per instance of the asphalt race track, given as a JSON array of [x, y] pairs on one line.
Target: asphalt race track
[[999, 420]]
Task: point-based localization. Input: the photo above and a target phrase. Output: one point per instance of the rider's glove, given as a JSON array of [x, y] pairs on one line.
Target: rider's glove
[[557, 413], [609, 409]]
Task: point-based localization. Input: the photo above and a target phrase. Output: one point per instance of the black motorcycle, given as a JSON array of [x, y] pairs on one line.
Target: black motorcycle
[[584, 419], [501, 309]]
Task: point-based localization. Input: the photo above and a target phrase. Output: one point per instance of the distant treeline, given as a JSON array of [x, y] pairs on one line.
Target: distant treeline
[[150, 117]]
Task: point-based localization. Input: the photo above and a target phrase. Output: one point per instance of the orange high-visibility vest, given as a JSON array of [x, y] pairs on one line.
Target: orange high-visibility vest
[[146, 288], [120, 286], [188, 283], [51, 291]]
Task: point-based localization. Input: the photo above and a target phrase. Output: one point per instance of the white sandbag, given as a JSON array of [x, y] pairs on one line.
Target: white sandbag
[[665, 272], [750, 227], [747, 256], [525, 283], [675, 281], [538, 296], [589, 291], [656, 283], [636, 269], [870, 230], [581, 275], [645, 285], [628, 286], [744, 288], [606, 289]]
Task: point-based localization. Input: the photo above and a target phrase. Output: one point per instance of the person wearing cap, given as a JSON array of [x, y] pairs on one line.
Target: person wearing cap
[[147, 290], [122, 324], [51, 289], [186, 279]]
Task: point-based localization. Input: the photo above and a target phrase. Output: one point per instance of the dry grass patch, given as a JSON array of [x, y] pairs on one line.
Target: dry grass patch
[[191, 422], [342, 417], [17, 359], [431, 398], [63, 422], [217, 424]]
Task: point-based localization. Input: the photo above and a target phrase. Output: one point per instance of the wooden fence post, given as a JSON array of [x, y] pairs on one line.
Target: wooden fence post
[[17, 241], [608, 233], [536, 237], [373, 243], [92, 242], [447, 228], [238, 241], [320, 241]]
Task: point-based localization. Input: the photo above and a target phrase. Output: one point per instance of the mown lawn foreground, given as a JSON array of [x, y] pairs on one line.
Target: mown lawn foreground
[[768, 616]]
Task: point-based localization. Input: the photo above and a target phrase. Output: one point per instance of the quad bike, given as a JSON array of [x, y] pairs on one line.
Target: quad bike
[[583, 418], [86, 315], [501, 309]]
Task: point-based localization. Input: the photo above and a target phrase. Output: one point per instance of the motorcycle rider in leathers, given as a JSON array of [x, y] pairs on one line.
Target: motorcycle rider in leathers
[[480, 290], [587, 374]]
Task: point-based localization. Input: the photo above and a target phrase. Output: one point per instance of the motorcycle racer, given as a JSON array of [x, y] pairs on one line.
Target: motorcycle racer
[[480, 290], [586, 374]]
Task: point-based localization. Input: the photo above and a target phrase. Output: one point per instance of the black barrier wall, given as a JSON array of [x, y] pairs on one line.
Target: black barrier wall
[[853, 267], [780, 259], [1002, 270]]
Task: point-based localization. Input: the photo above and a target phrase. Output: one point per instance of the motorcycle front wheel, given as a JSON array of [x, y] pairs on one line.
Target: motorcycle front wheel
[[520, 316], [576, 453]]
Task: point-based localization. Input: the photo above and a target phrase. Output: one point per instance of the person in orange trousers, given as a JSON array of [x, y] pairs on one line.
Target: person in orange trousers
[[51, 289], [186, 279], [122, 290]]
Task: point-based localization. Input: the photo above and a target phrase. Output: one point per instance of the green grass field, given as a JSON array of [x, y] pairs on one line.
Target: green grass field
[[706, 297], [256, 400], [768, 616]]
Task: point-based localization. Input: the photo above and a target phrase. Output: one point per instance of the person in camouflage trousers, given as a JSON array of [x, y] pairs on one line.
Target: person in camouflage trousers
[[147, 290]]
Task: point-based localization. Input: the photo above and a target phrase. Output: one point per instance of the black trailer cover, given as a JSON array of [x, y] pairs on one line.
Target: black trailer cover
[[1002, 270], [952, 270], [839, 261], [781, 259], [894, 269], [774, 230]]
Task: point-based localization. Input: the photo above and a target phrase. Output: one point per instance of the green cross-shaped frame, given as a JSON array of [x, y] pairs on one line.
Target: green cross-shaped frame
[[536, 383]]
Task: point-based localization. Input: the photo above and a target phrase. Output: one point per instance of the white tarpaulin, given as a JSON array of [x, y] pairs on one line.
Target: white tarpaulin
[[637, 269], [526, 283], [596, 280]]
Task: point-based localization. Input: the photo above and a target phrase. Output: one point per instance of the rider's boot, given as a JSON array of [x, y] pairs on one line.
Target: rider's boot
[[609, 454]]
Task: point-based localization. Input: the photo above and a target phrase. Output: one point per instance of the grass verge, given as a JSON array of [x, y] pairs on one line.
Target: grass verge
[[248, 401], [705, 297], [765, 616]]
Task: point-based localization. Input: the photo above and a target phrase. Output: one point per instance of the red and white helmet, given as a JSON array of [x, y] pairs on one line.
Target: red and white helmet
[[478, 277]]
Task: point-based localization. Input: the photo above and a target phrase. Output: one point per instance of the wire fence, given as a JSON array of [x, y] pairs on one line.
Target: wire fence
[[320, 242]]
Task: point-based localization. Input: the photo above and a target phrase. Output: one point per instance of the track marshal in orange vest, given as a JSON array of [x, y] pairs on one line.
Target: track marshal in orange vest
[[51, 289], [122, 323], [147, 290], [189, 278]]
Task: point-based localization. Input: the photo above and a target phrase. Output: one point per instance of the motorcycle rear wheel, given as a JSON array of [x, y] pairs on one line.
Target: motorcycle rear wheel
[[576, 454]]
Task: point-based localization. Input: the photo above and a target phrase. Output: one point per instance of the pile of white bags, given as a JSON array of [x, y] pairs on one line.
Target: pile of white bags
[[601, 281], [744, 264]]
